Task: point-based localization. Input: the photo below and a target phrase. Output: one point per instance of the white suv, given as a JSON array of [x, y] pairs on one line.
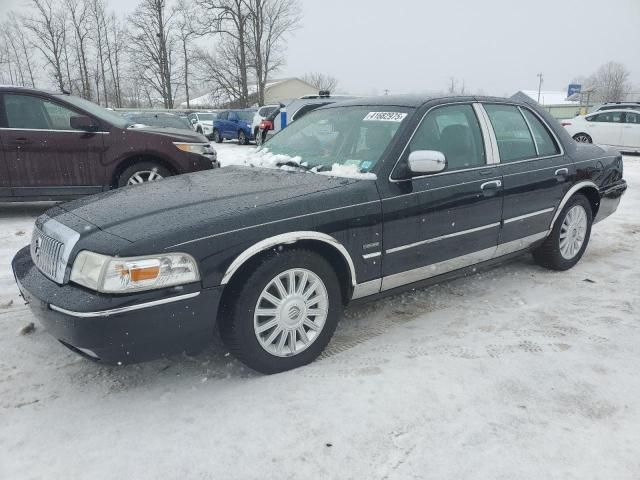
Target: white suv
[[202, 122], [259, 116]]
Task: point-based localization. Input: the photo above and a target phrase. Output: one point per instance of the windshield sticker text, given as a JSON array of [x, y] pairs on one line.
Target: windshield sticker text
[[384, 117]]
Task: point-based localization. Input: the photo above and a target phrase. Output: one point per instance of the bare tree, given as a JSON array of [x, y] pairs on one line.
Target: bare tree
[[187, 30], [456, 87], [115, 41], [269, 23], [231, 18], [79, 12], [321, 81], [48, 29], [610, 82]]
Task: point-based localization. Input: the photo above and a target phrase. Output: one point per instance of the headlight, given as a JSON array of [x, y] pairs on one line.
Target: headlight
[[199, 148], [122, 275]]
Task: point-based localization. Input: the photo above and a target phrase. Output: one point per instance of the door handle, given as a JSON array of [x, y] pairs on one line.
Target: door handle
[[562, 172], [492, 185], [21, 141]]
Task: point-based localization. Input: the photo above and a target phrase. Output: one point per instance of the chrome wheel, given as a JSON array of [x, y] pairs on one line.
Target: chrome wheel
[[291, 312], [573, 231], [582, 138], [144, 176]]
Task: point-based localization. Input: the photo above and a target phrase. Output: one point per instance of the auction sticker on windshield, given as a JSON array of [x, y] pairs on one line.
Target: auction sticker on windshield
[[384, 117]]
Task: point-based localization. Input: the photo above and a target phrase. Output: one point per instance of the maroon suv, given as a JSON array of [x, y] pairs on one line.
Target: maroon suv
[[57, 146]]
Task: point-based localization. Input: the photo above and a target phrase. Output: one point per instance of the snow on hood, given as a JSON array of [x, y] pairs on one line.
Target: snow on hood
[[266, 159]]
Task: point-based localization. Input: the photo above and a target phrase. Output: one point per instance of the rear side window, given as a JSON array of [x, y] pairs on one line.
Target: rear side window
[[454, 131], [223, 116], [608, 117], [266, 111], [306, 109], [632, 118], [512, 133], [545, 142]]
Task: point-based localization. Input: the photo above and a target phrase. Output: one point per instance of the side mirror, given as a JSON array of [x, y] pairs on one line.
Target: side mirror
[[193, 121], [82, 122], [424, 162]]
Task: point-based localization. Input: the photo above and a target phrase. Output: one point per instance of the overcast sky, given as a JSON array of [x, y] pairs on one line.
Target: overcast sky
[[495, 46]]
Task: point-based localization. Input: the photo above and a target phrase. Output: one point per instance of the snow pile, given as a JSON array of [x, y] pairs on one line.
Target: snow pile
[[262, 157]]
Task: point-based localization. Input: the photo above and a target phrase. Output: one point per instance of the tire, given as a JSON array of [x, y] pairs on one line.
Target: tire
[[145, 171], [582, 138], [562, 248], [216, 136], [273, 353], [199, 130], [242, 138]]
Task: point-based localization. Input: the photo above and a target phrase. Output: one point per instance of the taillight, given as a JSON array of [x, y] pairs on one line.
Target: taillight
[[565, 124], [266, 125]]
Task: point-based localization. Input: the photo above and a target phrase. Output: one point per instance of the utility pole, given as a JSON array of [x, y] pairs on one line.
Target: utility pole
[[386, 91], [539, 85]]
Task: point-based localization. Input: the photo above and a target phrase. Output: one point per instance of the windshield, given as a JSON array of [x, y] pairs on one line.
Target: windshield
[[337, 138], [161, 120], [246, 116], [97, 111], [207, 117]]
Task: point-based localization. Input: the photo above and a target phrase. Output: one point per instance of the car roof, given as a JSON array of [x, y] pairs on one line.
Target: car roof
[[613, 110], [415, 101]]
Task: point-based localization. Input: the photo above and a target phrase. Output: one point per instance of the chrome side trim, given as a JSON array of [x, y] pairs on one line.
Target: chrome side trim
[[520, 243], [287, 239], [442, 237], [115, 311], [568, 195], [270, 223], [367, 288], [404, 278], [371, 255], [435, 269], [528, 215]]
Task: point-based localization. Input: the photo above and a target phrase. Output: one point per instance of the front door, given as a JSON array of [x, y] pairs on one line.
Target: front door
[[631, 131], [534, 171], [43, 154], [434, 224], [5, 183]]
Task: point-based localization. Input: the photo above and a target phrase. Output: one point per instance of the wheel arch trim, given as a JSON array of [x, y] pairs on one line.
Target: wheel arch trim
[[288, 239], [572, 191]]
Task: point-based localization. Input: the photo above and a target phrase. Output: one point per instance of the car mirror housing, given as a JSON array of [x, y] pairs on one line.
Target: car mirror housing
[[82, 122], [424, 162]]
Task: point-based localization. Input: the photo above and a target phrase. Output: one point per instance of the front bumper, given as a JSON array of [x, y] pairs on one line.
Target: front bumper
[[119, 329]]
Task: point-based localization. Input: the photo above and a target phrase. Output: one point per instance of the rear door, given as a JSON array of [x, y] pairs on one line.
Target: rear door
[[534, 170], [44, 155], [442, 222], [5, 183], [631, 131]]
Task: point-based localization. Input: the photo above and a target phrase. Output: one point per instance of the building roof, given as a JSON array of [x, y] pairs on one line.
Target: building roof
[[547, 97]]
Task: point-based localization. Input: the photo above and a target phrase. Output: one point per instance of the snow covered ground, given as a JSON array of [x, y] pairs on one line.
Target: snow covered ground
[[517, 372]]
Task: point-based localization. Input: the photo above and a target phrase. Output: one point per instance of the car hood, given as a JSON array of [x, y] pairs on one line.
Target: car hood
[[190, 204], [175, 134]]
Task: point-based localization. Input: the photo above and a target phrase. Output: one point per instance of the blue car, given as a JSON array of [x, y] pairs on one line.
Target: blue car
[[234, 124]]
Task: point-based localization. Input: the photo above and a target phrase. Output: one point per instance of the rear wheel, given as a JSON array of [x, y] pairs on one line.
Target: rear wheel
[[568, 240], [216, 136], [242, 138], [284, 314], [582, 138], [142, 172]]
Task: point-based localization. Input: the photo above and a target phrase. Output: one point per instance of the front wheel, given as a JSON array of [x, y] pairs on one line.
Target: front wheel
[[216, 136], [284, 313], [568, 240], [142, 172]]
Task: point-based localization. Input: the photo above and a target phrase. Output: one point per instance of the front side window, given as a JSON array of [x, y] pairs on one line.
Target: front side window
[[545, 142], [453, 130], [512, 134], [30, 112], [351, 138]]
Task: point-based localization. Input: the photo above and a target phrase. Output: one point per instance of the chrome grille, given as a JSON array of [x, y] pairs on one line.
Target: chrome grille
[[51, 246], [46, 253]]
